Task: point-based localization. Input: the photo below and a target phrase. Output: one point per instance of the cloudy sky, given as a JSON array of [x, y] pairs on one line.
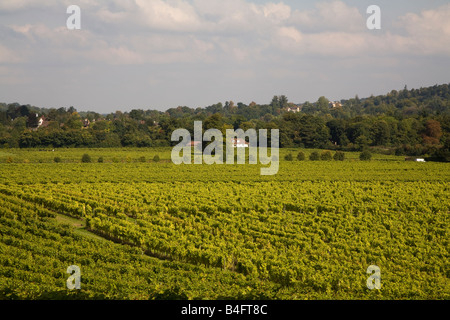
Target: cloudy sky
[[155, 54]]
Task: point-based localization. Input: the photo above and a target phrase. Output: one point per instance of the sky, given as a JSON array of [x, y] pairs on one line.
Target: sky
[[155, 54]]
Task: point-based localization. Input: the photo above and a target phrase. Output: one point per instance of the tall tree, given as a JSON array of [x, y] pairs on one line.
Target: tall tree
[[432, 133]]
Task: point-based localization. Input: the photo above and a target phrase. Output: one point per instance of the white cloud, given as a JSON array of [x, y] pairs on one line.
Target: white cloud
[[277, 12], [175, 15], [22, 5], [62, 45], [330, 16], [211, 42], [428, 22], [335, 29], [341, 44], [7, 56], [14, 5], [113, 55], [289, 38], [211, 30], [426, 33]]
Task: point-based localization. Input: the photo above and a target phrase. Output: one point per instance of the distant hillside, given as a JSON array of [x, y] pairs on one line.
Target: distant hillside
[[410, 122], [433, 100]]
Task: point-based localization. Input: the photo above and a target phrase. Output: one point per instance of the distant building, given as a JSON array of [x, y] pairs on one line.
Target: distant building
[[415, 159], [41, 121], [194, 143], [240, 143], [334, 104], [294, 109]]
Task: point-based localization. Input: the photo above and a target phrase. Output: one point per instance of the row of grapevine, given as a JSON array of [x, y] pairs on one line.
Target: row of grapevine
[[34, 255], [260, 237], [310, 231]]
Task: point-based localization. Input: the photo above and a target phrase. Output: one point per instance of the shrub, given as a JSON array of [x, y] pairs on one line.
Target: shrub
[[365, 155], [314, 156], [57, 159], [441, 155], [326, 155], [156, 158], [288, 157], [142, 159], [100, 160], [9, 160], [339, 156], [300, 156], [399, 151], [86, 158]]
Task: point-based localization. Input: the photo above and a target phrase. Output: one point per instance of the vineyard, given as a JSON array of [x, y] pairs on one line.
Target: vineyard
[[154, 230]]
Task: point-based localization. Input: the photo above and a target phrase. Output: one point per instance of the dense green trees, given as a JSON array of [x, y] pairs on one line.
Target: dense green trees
[[412, 122]]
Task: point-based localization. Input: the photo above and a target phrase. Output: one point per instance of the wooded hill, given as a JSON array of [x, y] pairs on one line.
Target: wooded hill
[[410, 122]]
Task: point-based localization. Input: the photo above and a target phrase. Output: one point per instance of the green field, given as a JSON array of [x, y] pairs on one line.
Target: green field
[[145, 229]]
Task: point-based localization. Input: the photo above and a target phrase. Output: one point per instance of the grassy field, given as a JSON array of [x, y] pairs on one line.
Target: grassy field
[[117, 155], [221, 231]]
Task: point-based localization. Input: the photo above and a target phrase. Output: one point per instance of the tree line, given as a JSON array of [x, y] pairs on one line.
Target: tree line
[[407, 122]]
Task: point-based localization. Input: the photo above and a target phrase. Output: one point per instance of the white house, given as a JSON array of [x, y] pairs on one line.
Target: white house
[[415, 159], [40, 121], [334, 104], [239, 143], [294, 109]]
